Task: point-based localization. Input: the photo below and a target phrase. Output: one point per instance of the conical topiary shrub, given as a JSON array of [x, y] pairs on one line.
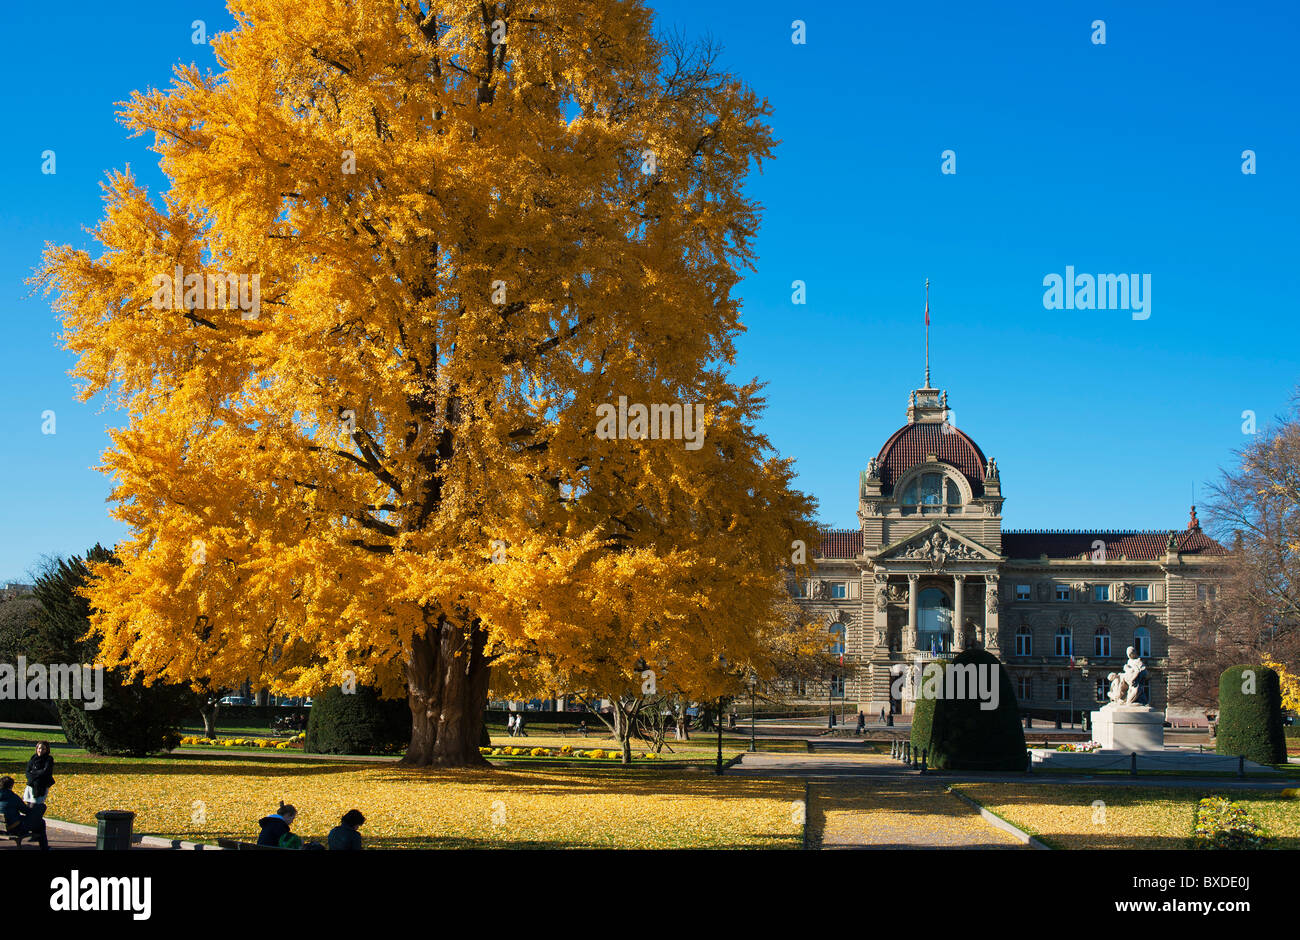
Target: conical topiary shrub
[[1250, 715], [950, 725]]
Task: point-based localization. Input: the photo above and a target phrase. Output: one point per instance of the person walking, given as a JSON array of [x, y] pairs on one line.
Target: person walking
[[510, 724], [40, 774], [862, 721], [519, 726], [346, 836]]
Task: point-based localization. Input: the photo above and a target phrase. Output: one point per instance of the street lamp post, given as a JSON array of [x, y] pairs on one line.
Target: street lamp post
[[719, 770], [753, 689]]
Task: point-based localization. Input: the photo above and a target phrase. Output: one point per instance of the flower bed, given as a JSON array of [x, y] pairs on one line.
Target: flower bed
[[1226, 824], [567, 751], [1080, 748], [294, 743]]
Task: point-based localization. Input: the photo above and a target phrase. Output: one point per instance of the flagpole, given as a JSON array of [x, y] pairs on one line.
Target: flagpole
[[927, 332]]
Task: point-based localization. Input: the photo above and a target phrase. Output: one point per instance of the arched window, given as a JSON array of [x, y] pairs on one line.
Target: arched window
[[1142, 642], [1024, 641], [934, 621], [838, 632], [1064, 641], [931, 492], [1101, 642]]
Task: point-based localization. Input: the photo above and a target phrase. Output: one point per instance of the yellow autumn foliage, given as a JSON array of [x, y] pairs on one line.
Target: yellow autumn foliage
[[364, 336]]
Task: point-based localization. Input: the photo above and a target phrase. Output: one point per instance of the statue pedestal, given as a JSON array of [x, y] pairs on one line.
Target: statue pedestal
[[1129, 728]]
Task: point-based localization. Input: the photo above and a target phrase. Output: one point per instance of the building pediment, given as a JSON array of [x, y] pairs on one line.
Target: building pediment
[[937, 546]]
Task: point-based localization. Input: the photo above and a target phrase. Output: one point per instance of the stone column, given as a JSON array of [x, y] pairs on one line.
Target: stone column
[[991, 639], [909, 642], [958, 588]]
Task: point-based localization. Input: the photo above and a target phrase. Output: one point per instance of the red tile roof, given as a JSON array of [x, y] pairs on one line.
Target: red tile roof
[[1029, 543], [841, 543], [912, 443], [1135, 546]]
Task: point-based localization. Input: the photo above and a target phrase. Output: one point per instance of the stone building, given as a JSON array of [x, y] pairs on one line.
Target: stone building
[[930, 571]]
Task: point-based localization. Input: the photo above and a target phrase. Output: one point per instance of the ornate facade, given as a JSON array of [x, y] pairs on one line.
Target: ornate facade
[[930, 571]]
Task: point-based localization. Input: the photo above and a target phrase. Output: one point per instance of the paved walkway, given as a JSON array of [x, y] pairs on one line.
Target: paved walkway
[[897, 815]]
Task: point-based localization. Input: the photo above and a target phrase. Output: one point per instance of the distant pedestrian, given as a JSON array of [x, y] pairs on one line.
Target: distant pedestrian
[[40, 774], [519, 726], [862, 721], [882, 716], [346, 835], [582, 727], [510, 724]]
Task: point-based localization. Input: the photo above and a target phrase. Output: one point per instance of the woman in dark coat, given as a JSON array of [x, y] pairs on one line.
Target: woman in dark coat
[[275, 829], [40, 774]]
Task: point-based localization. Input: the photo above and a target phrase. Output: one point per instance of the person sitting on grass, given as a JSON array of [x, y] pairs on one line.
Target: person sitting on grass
[[276, 829], [18, 819], [346, 835], [40, 774]]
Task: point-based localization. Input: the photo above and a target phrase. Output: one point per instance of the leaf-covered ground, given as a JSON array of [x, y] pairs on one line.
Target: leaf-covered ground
[[1121, 817], [203, 799]]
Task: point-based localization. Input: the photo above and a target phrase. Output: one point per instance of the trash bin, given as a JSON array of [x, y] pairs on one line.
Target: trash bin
[[113, 829]]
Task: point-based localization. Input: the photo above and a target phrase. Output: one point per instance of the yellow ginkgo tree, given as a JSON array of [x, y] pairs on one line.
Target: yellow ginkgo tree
[[425, 354]]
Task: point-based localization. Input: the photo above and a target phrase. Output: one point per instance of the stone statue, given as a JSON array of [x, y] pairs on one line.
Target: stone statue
[[873, 468], [991, 470], [1115, 681], [882, 598], [1136, 679], [1125, 593]]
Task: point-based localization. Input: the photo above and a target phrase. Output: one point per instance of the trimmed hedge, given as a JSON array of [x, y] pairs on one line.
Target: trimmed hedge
[[960, 735], [1250, 715], [358, 722]]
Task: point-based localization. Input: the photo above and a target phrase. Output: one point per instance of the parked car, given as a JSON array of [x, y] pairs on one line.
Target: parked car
[[236, 700]]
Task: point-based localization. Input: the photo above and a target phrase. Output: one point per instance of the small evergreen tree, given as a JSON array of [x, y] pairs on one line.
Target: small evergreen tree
[[358, 722], [957, 732], [1250, 714], [133, 719]]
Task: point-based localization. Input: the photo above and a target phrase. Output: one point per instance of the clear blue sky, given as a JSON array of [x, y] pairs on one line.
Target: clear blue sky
[[1117, 158]]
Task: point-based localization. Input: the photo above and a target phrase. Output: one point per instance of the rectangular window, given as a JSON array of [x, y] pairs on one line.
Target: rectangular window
[[837, 686], [1025, 688], [839, 590], [1022, 592], [1062, 592], [1205, 592], [800, 688], [1141, 593], [1063, 689], [1102, 690], [1101, 592]]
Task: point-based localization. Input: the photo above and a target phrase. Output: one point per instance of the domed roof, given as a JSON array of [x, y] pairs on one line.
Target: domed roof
[[913, 442]]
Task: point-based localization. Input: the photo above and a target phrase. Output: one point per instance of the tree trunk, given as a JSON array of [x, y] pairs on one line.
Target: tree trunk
[[623, 731], [209, 713], [448, 693]]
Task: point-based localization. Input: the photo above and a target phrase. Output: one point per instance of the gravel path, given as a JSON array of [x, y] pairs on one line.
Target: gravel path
[[902, 815]]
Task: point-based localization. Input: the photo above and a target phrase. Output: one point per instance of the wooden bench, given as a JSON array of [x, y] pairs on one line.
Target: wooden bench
[[235, 845]]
